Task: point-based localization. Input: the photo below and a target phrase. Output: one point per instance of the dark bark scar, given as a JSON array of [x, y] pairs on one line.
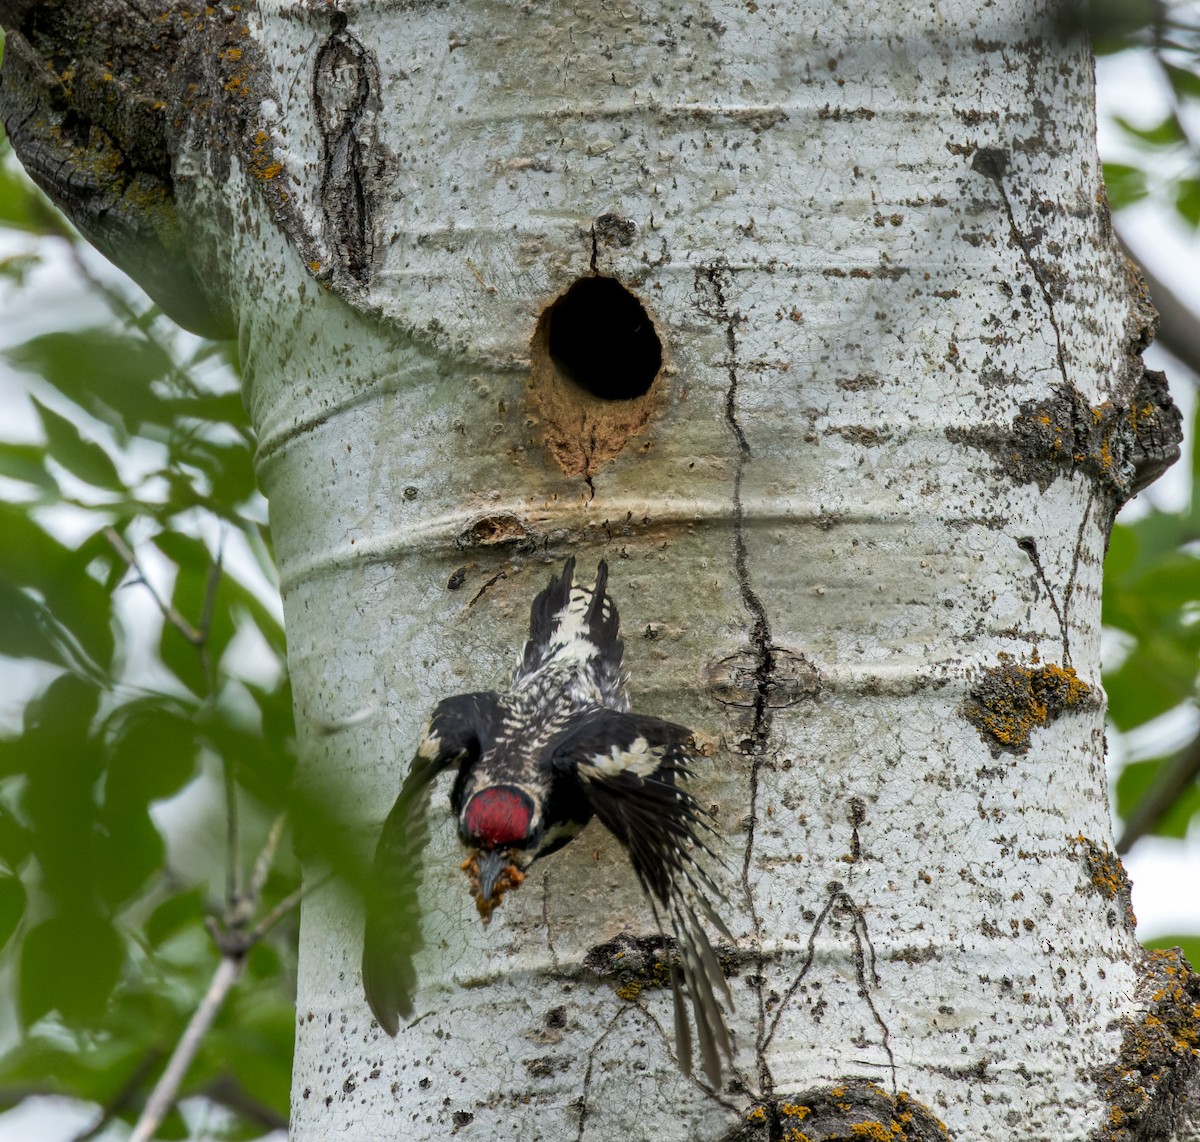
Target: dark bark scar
[[710, 285]]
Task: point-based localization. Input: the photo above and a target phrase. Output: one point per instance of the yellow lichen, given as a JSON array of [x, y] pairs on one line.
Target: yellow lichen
[[1011, 701], [875, 1131]]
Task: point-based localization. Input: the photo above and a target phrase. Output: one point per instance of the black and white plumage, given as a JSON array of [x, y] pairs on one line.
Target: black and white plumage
[[535, 764]]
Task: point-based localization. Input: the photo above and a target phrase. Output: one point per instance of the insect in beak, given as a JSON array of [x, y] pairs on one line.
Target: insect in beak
[[492, 873]]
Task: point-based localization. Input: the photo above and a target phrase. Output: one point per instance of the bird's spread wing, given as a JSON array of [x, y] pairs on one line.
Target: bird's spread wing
[[629, 766], [393, 922]]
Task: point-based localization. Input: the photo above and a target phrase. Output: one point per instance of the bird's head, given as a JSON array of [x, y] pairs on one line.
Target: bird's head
[[497, 823]]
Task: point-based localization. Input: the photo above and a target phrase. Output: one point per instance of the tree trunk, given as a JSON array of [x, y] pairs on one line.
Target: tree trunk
[[855, 520]]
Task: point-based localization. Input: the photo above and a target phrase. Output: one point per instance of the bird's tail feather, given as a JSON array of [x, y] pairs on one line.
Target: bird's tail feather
[[569, 618]]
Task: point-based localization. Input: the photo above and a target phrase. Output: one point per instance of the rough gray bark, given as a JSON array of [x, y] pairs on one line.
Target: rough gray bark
[[858, 515]]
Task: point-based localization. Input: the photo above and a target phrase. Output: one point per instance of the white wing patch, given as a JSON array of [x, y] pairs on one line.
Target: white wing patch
[[431, 743], [639, 759]]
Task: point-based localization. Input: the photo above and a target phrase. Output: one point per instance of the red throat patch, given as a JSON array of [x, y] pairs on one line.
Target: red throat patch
[[498, 816]]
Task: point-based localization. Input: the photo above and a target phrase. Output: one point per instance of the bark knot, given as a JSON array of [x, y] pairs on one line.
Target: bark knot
[[1152, 1088], [853, 1109], [1122, 448]]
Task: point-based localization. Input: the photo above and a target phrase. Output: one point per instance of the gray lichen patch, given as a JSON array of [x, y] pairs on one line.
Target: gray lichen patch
[[633, 963], [1010, 701], [1152, 1088], [1122, 449]]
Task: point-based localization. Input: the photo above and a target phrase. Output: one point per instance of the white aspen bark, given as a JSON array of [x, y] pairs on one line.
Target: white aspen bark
[[871, 244], [855, 531]]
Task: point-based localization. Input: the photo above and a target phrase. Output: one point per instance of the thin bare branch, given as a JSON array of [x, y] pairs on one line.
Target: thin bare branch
[[1173, 778], [234, 901], [266, 858], [194, 636], [285, 906], [165, 1092]]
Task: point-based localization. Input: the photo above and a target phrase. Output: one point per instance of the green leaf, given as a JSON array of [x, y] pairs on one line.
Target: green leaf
[[1154, 678], [230, 470], [253, 1038], [1187, 200], [27, 463], [81, 457], [12, 905], [69, 964], [60, 761], [74, 601], [29, 629], [1184, 80], [183, 910], [129, 851], [15, 840], [263, 766], [1125, 184], [153, 752], [1113, 25], [193, 583], [1172, 582], [94, 1072], [107, 372], [1164, 133]]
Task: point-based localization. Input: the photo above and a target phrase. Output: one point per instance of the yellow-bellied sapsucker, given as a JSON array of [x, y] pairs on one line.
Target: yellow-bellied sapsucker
[[535, 764]]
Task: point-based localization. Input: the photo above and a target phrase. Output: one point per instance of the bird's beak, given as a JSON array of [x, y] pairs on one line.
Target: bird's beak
[[493, 872]]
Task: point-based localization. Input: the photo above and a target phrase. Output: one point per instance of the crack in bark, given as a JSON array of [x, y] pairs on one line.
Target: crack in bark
[[591, 1060], [546, 922], [483, 590], [1071, 578], [1029, 546], [710, 282], [857, 815], [866, 973], [992, 163], [669, 1043]]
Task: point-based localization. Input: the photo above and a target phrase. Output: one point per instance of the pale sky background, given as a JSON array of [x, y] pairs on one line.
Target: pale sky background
[[1166, 874]]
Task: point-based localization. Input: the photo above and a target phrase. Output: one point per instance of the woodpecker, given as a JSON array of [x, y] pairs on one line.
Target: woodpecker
[[534, 765]]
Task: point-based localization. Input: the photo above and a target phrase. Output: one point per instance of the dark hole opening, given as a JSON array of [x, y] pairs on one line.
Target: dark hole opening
[[602, 339]]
